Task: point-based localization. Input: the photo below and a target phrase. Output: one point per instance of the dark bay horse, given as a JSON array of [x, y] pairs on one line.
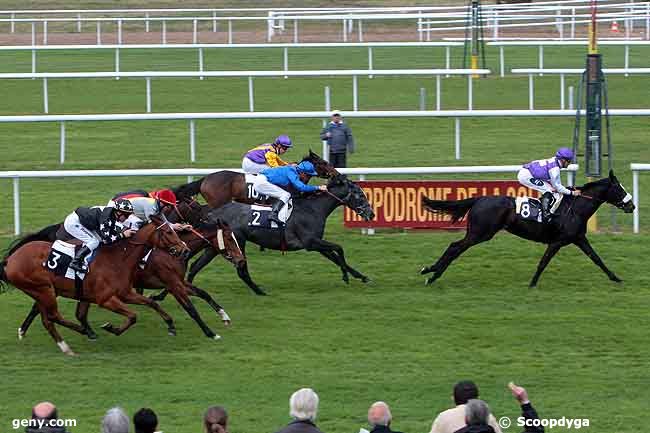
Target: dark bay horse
[[107, 284], [304, 230], [488, 215], [225, 186], [163, 271]]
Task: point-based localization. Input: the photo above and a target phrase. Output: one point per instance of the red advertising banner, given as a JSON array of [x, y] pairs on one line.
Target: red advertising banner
[[399, 203]]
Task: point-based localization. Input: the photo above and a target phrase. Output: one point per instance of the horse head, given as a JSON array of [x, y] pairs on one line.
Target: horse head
[[351, 195], [226, 244], [323, 168], [610, 190], [164, 237]]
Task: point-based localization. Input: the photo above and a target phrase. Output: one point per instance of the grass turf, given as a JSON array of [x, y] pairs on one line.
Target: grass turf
[[577, 342]]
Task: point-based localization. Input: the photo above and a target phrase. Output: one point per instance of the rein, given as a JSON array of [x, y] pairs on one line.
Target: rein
[[342, 201], [199, 235]]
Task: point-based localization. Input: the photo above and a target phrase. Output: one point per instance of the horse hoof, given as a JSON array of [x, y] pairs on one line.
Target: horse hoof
[[21, 333], [260, 292], [429, 281], [91, 336], [227, 323], [425, 270], [171, 332], [365, 279], [216, 337], [70, 353], [108, 327]]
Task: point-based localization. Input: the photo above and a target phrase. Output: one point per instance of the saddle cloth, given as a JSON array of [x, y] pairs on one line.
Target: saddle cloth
[[252, 194], [259, 216], [59, 259], [530, 208]]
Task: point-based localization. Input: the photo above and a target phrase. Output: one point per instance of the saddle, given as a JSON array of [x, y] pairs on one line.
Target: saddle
[[258, 216], [59, 258], [529, 208]]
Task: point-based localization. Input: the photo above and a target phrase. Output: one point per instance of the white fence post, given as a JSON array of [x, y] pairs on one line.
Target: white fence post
[[295, 31], [62, 144], [370, 67], [438, 95], [214, 21], [119, 32], [33, 61], [562, 92], [345, 30], [627, 58], [251, 102], [201, 62], [571, 98], [192, 141], [13, 23], [470, 96], [195, 31], [44, 32], [117, 62], [457, 136], [635, 198], [16, 206], [285, 60], [229, 31], [355, 93], [148, 83], [423, 99], [164, 32], [33, 33], [146, 22], [502, 62], [78, 23], [328, 109], [46, 105], [99, 32], [531, 92]]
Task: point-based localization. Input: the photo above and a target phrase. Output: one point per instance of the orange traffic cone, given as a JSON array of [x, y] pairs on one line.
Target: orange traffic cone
[[614, 27]]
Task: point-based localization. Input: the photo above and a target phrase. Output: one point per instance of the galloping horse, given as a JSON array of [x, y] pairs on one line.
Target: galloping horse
[[225, 186], [163, 271], [488, 215], [304, 230], [107, 284]]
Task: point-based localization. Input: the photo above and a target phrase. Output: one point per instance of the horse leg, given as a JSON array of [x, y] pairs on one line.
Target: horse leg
[[132, 297], [453, 251], [160, 296], [58, 318], [115, 305], [356, 274], [22, 331], [586, 248], [242, 272], [197, 291], [180, 293], [334, 253], [551, 250], [82, 316], [48, 308], [334, 258], [201, 262]]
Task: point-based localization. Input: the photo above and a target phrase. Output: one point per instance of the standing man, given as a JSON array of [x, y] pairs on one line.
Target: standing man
[[339, 139]]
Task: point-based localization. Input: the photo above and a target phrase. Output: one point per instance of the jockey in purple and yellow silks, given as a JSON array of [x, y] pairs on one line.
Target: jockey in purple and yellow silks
[[266, 155], [543, 175]]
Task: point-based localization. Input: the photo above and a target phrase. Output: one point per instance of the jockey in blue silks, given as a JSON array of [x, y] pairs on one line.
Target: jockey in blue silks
[[272, 181], [543, 175]]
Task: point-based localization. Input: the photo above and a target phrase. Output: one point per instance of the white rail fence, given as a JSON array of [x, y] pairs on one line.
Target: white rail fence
[[193, 117], [636, 169], [562, 73], [354, 73], [361, 172], [202, 47]]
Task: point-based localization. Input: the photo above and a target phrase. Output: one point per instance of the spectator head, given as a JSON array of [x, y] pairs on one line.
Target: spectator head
[[115, 421], [464, 391], [45, 411], [477, 412], [303, 405], [145, 421], [215, 420], [379, 414], [336, 115]]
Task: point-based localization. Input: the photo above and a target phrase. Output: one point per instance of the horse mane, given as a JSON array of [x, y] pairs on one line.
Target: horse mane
[[598, 182], [47, 234]]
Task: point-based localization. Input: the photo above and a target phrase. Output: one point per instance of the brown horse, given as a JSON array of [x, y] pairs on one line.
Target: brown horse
[[225, 186], [107, 284], [163, 271]]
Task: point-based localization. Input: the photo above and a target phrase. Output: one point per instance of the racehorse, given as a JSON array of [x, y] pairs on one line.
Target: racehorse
[[225, 186], [488, 215], [165, 271], [304, 229], [108, 283]]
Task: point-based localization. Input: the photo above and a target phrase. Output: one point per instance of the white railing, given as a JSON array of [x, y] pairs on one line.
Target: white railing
[[201, 47], [354, 73], [562, 72], [362, 172], [193, 117], [636, 169]]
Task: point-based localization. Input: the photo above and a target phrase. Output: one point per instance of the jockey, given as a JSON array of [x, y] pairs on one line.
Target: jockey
[[97, 224], [157, 202], [270, 181], [266, 155], [543, 175]]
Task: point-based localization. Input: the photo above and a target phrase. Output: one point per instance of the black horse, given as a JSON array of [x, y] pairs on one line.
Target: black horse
[[304, 229], [488, 215]]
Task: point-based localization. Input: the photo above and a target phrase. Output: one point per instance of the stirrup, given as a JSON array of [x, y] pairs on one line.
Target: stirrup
[[79, 267]]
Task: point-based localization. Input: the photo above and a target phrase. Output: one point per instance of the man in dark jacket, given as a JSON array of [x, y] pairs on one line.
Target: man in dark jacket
[[339, 139], [379, 418], [528, 412], [303, 408], [44, 419], [92, 225]]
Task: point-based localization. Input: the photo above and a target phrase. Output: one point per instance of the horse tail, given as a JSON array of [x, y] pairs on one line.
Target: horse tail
[[456, 208], [4, 286], [48, 234], [189, 189]]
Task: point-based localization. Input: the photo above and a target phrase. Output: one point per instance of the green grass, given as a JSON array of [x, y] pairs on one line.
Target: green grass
[[578, 342]]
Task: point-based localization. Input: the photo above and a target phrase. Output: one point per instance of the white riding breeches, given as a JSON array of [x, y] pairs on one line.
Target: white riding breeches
[[526, 178], [263, 186], [252, 167], [73, 226]]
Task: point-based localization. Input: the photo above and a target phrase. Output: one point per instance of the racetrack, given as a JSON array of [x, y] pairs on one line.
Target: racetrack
[[578, 342]]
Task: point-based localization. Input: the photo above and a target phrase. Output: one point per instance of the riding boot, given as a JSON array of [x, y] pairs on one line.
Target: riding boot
[[78, 263], [547, 201], [275, 211]]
